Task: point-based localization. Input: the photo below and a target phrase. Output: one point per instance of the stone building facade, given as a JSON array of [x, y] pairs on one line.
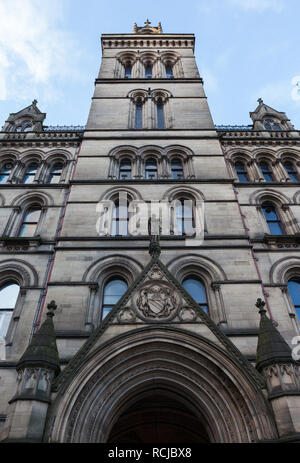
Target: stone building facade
[[157, 336]]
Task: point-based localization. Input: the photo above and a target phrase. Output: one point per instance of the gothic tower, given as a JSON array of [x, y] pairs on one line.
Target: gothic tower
[[155, 232]]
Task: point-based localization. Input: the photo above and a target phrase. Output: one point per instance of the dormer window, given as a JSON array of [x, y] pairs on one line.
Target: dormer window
[[25, 126], [269, 124]]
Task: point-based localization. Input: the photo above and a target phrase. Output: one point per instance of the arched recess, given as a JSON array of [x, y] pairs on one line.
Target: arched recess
[[210, 273], [283, 269], [97, 276], [229, 404], [23, 274], [95, 271], [258, 196]]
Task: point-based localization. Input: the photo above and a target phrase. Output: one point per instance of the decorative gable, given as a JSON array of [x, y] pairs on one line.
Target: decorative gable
[[266, 118], [27, 120], [156, 299]]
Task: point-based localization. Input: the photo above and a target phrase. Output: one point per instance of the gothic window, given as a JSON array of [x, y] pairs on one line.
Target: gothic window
[[185, 217], [291, 171], [56, 172], [113, 291], [5, 172], [196, 289], [128, 71], [30, 172], [269, 124], [30, 222], [151, 169], [125, 169], [294, 290], [169, 71], [177, 168], [120, 219], [266, 171], [139, 115], [160, 114], [148, 71], [241, 172], [272, 218], [8, 297]]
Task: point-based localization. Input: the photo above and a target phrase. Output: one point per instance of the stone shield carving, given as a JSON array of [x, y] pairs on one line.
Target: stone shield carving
[[157, 301]]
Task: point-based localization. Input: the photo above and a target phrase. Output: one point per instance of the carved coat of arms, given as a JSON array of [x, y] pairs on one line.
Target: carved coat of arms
[[157, 300]]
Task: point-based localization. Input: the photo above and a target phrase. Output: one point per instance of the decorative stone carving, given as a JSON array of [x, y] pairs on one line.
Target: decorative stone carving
[[157, 301], [126, 315], [187, 314], [155, 273]]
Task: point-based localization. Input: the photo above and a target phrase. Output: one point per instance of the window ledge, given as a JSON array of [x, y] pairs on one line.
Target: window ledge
[[18, 243], [283, 241]]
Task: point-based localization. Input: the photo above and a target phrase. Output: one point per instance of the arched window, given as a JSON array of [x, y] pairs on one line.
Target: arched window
[[271, 125], [120, 219], [176, 168], [273, 221], [160, 114], [148, 71], [5, 172], [185, 217], [8, 297], [128, 71], [30, 222], [266, 171], [151, 169], [30, 173], [56, 172], [25, 126], [169, 71], [292, 173], [113, 291], [241, 172], [125, 169], [139, 115], [196, 289], [294, 290]]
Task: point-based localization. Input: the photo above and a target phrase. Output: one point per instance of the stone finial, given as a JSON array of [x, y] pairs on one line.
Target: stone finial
[[260, 100], [260, 304], [154, 246], [147, 28], [34, 102], [51, 309]]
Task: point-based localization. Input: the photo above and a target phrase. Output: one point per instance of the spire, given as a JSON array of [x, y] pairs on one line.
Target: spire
[[42, 351], [271, 347]]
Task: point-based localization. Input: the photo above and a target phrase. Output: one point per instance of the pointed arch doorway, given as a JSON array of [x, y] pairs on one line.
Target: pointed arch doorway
[[159, 416]]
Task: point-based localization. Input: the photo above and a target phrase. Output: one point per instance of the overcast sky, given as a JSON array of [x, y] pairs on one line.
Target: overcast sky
[[245, 49]]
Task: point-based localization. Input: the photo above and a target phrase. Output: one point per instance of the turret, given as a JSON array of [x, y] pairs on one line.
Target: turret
[[274, 360], [36, 370]]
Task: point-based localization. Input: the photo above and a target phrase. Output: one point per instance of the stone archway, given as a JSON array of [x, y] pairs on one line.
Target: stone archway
[[158, 415], [194, 377]]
